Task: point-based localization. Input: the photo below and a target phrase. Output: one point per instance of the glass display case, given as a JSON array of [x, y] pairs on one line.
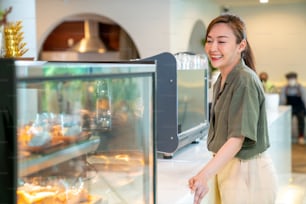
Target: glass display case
[[82, 132]]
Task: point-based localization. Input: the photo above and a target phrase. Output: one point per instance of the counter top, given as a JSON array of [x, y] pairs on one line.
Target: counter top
[[173, 174], [272, 115]]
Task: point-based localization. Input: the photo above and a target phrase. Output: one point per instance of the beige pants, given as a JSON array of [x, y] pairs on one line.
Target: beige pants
[[250, 181]]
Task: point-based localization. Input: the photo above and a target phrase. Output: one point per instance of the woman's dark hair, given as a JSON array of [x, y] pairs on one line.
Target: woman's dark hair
[[239, 29]]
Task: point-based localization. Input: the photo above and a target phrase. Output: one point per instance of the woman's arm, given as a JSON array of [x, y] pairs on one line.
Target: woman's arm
[[198, 184]]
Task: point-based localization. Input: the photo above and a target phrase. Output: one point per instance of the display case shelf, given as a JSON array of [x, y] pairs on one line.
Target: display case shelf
[[36, 163]]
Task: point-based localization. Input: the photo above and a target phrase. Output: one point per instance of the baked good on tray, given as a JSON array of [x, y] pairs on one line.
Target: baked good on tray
[[44, 136], [36, 194]]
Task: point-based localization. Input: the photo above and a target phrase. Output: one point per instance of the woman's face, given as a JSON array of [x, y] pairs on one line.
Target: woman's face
[[221, 47]]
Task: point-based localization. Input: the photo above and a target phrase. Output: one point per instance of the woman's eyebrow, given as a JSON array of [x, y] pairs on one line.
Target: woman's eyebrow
[[220, 36]]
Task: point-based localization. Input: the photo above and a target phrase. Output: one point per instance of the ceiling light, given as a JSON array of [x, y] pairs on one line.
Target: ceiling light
[[263, 1]]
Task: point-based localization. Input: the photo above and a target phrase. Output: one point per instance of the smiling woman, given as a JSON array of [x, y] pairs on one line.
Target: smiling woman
[[238, 133], [231, 32]]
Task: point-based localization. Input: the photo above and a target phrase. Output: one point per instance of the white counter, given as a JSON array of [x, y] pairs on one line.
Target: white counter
[[280, 138], [173, 174]]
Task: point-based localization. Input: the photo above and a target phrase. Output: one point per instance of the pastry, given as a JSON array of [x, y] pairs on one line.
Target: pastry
[[29, 193], [35, 194]]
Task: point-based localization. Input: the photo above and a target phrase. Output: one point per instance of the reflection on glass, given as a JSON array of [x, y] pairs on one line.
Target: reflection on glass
[[103, 119]]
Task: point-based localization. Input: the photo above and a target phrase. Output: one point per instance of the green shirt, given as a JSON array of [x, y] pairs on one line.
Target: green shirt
[[239, 110]]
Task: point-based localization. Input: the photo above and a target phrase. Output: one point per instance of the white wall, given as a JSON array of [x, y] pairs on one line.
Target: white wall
[[145, 21], [184, 14], [277, 35], [155, 26]]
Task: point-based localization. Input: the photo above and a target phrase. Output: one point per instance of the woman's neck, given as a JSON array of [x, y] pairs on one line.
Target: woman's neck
[[224, 71]]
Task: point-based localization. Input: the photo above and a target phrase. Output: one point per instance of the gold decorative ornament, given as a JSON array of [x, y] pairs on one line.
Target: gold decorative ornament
[[13, 40]]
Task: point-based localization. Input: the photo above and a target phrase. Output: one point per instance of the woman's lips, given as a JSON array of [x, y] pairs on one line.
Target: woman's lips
[[215, 57]]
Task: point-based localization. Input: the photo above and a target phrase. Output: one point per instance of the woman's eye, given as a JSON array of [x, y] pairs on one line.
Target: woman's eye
[[221, 42]]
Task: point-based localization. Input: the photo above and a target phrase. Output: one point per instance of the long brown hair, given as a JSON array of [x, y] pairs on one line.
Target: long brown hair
[[239, 29]]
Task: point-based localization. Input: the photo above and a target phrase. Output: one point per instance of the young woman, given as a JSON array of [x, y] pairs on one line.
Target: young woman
[[241, 171]]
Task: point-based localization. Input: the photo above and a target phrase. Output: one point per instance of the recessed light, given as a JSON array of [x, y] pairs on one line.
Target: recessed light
[[263, 1]]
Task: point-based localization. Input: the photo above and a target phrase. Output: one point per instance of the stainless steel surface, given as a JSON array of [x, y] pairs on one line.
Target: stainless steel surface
[[193, 134], [36, 163], [91, 41]]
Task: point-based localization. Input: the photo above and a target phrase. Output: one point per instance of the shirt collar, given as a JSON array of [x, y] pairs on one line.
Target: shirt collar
[[232, 75], [230, 78]]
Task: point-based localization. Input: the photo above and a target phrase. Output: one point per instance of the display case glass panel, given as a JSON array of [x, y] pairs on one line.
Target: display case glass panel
[[192, 86], [85, 132]]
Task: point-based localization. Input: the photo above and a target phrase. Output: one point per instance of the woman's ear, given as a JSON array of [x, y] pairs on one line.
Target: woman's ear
[[242, 45]]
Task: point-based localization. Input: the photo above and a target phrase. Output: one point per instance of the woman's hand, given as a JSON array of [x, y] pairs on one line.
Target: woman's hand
[[198, 185]]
